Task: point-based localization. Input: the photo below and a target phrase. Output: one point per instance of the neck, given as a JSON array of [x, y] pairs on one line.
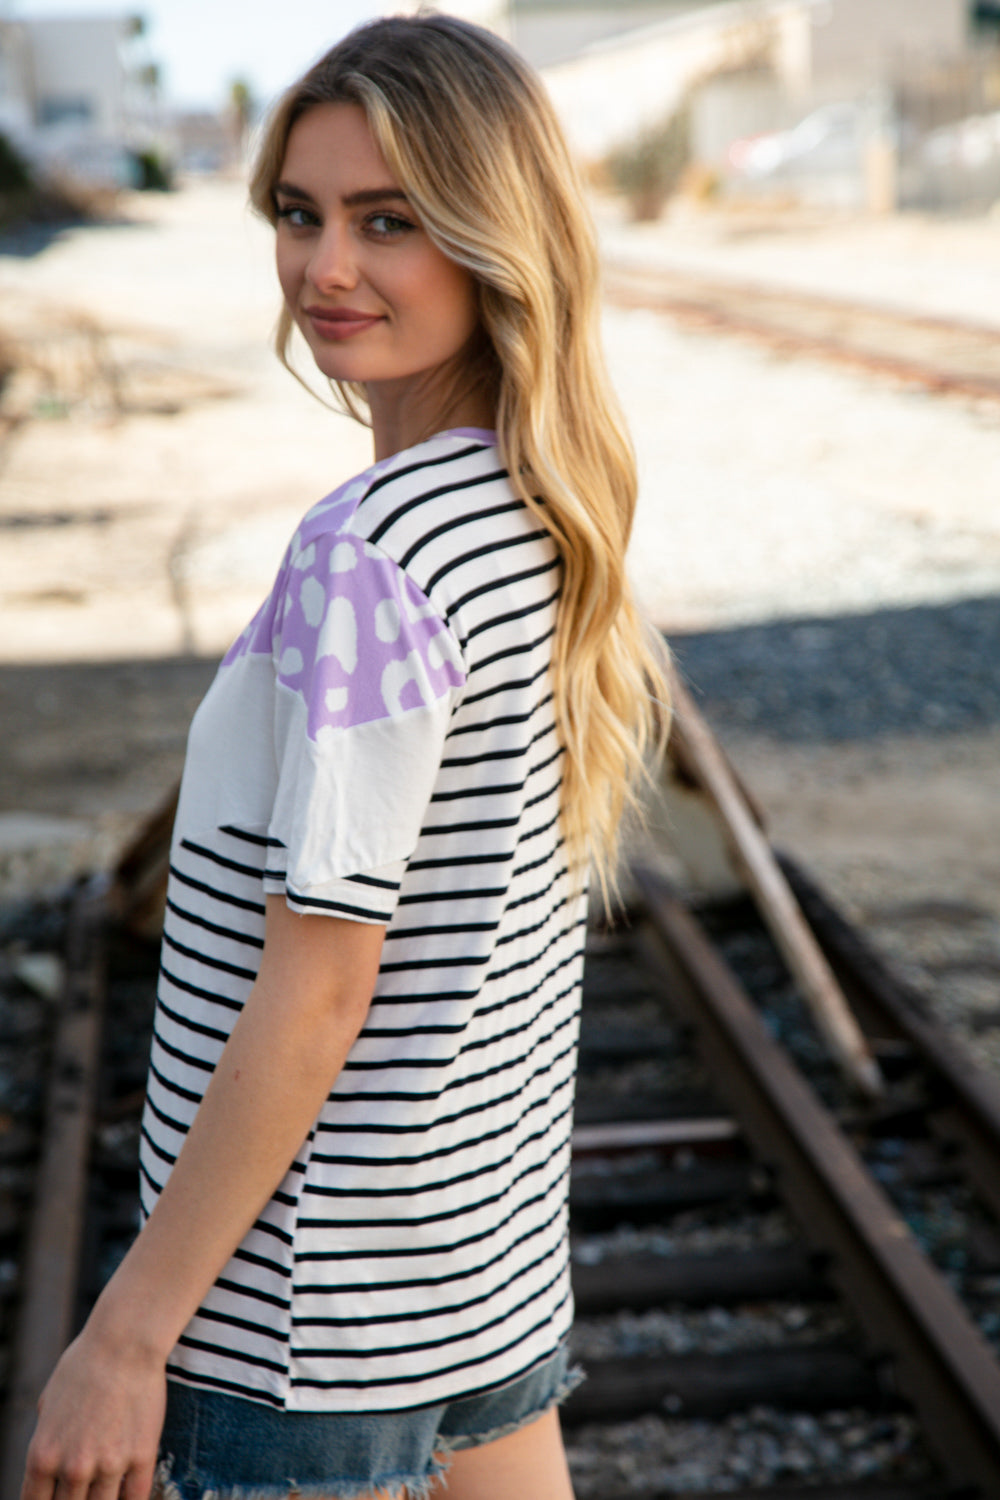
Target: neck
[[406, 413]]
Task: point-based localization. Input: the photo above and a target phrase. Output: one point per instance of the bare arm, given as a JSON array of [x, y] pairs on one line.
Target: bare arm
[[101, 1413]]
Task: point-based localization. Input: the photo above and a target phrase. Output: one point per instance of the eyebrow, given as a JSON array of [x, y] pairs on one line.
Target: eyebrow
[[350, 200]]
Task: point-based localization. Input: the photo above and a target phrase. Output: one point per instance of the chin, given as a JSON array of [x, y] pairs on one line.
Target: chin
[[335, 367]]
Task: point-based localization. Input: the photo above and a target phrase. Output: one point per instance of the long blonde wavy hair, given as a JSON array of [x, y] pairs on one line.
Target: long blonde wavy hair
[[468, 131]]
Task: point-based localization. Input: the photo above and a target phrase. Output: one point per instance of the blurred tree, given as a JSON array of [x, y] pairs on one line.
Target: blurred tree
[[648, 168], [14, 174], [986, 16], [152, 171], [242, 110], [241, 102]]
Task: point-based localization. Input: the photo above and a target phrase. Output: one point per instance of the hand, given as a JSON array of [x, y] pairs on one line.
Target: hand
[[99, 1424]]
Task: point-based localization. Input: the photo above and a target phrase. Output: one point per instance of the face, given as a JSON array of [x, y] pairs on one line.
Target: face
[[377, 301]]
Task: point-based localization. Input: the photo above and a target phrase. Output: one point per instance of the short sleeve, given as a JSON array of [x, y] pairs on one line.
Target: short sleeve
[[366, 678]]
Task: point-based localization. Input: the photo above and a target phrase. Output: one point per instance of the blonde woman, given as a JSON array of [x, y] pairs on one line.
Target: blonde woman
[[353, 1276]]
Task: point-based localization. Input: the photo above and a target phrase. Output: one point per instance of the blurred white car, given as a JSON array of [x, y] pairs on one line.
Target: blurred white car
[[825, 141], [970, 143]]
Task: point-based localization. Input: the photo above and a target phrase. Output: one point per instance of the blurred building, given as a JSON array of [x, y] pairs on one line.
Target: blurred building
[[549, 32], [492, 13], [78, 95], [852, 102]]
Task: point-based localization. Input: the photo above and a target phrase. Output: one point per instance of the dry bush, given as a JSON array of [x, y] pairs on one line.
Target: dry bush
[[27, 199], [647, 169]]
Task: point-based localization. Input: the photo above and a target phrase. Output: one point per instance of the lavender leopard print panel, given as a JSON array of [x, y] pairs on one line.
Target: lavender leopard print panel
[[350, 632]]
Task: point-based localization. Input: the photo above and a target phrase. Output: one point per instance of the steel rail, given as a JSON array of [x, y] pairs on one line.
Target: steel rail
[[829, 304], [943, 1365], [970, 1115], [768, 315], [50, 1269]]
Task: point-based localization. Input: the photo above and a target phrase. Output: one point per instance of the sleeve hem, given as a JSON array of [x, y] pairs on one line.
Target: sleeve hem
[[356, 900]]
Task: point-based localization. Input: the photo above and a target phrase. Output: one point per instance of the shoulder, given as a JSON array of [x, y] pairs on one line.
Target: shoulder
[[396, 495], [430, 489]]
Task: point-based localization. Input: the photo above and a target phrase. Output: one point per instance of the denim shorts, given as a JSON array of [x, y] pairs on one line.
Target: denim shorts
[[217, 1447]]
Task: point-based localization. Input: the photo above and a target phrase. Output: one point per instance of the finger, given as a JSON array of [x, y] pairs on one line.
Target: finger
[[105, 1487], [39, 1479], [71, 1486], [35, 1487], [138, 1483]]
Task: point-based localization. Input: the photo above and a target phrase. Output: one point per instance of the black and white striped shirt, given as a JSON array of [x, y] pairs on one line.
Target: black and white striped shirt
[[380, 744]]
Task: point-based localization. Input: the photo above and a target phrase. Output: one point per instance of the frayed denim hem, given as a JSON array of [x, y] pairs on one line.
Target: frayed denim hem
[[445, 1445], [165, 1487]]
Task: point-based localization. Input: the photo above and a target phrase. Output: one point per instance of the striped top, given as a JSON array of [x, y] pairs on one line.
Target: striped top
[[380, 744]]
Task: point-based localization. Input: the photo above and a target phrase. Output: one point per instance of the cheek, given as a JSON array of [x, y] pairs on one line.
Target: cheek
[[289, 270], [453, 301]]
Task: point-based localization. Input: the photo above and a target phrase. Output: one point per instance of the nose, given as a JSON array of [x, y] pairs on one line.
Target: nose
[[332, 265]]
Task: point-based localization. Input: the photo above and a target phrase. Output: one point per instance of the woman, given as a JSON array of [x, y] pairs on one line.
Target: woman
[[353, 1275]]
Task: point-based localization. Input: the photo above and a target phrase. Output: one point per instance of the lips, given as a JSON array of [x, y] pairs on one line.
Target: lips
[[338, 323]]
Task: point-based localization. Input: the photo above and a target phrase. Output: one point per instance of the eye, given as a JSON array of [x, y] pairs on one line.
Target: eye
[[295, 215], [384, 225]]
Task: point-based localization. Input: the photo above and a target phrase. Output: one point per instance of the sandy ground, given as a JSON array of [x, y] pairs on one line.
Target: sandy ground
[[155, 459]]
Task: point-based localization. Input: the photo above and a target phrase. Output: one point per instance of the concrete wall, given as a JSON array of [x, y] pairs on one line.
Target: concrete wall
[[852, 38], [77, 74], [73, 99], [729, 108], [615, 89], [552, 31], [492, 13], [16, 107]]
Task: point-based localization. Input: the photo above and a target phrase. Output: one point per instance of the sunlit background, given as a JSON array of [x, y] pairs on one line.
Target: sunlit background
[[798, 211], [797, 203], [200, 49]]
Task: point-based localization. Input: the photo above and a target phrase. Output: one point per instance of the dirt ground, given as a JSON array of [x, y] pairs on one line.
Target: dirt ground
[[154, 459]]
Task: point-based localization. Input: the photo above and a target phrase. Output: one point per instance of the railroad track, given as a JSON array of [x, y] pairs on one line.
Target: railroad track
[[942, 355], [756, 1270], [849, 1174]]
